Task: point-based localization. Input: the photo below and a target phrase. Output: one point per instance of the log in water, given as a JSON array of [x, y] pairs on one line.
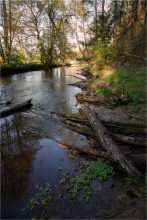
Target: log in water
[[15, 108]]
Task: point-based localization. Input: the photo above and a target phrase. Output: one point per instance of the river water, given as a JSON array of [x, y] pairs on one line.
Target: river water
[[31, 153]]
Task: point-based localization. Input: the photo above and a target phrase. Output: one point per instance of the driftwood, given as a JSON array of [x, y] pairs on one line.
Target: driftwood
[[95, 153], [76, 125], [109, 145], [110, 120], [117, 117], [15, 108], [123, 122], [9, 102], [101, 99], [81, 98], [137, 141], [76, 77]]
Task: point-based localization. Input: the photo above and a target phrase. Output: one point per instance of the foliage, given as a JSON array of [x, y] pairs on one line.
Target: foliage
[[103, 54], [59, 168], [105, 91], [41, 198], [14, 59], [47, 32], [89, 171], [131, 180], [134, 83], [141, 182]]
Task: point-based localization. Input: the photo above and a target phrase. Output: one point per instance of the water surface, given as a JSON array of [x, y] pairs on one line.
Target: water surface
[[31, 153]]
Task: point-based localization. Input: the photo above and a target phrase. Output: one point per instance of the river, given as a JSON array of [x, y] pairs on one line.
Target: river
[[32, 155]]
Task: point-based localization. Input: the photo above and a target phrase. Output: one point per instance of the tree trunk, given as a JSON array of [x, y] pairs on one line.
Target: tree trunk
[[95, 153], [109, 145], [15, 108], [79, 125]]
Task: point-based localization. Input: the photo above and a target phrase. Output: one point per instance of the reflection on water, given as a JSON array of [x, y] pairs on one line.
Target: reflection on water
[[31, 155], [23, 134]]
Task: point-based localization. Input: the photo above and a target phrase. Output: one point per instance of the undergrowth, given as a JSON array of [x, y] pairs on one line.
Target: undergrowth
[[134, 86], [141, 182]]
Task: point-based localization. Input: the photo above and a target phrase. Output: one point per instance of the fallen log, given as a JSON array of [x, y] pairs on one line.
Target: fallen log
[[101, 99], [95, 153], [123, 127], [109, 145], [123, 122], [15, 108], [137, 141], [75, 124], [81, 98], [76, 77], [118, 117]]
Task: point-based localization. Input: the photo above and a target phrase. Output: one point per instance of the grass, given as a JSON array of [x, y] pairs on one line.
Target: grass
[[105, 92], [134, 86]]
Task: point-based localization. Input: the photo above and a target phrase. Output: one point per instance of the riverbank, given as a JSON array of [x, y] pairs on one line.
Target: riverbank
[[115, 98], [123, 86], [7, 71], [112, 115]]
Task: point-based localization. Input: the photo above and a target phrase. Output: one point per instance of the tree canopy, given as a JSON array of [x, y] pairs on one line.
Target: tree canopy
[[56, 31]]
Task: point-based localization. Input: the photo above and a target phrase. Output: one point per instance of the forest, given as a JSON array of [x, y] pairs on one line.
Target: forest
[[73, 109], [103, 32]]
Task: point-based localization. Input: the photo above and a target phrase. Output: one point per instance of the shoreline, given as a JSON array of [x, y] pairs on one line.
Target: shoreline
[[8, 71]]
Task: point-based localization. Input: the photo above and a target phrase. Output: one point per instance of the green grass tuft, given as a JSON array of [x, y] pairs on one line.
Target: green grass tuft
[[134, 86]]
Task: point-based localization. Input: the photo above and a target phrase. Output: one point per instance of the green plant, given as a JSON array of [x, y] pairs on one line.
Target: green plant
[[72, 157], [131, 180], [63, 181], [89, 171], [87, 194], [41, 198], [140, 182], [104, 91], [134, 86], [59, 168]]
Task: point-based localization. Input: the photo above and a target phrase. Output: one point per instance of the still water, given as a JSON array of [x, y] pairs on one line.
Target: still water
[[31, 154]]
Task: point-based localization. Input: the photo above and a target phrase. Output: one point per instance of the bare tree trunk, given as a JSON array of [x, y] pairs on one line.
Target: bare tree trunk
[[95, 153], [103, 20], [83, 127], [109, 145], [5, 17]]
